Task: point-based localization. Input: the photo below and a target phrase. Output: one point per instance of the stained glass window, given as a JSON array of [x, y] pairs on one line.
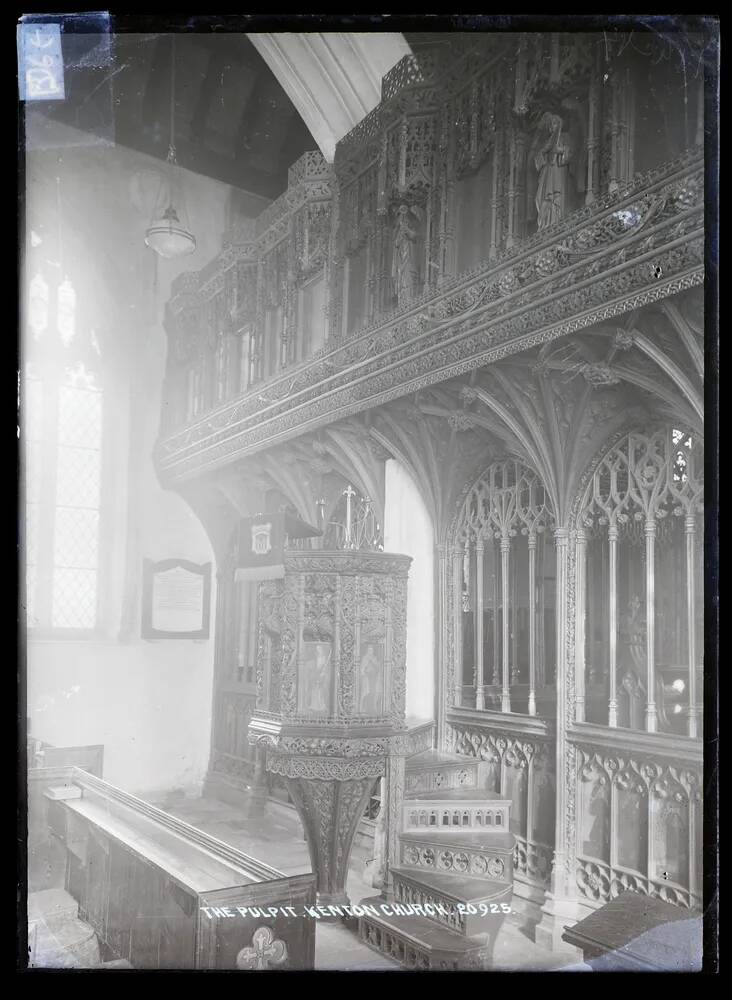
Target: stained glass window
[[38, 305], [33, 489], [63, 501], [61, 425]]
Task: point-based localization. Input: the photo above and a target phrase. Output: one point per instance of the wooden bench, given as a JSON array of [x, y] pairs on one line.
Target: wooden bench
[[161, 894]]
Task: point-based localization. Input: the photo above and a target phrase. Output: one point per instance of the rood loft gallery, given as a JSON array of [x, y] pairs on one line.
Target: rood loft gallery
[[362, 523]]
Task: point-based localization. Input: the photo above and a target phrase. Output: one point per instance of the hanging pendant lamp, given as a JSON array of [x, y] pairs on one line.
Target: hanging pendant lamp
[[167, 235]]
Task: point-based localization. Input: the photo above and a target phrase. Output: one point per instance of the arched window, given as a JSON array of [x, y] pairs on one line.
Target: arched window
[[62, 421], [507, 591], [642, 530]]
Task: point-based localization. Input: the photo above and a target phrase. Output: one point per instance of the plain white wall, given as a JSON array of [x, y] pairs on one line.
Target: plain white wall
[[148, 703], [408, 530]]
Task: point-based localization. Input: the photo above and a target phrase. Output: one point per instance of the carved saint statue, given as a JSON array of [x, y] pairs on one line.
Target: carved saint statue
[[404, 268], [552, 153]]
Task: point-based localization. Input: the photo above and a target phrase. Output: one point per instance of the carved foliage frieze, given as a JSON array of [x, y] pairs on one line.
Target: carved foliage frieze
[[650, 238]]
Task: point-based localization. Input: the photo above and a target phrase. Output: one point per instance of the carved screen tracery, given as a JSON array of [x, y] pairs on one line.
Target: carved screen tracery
[[639, 534], [639, 827], [505, 569]]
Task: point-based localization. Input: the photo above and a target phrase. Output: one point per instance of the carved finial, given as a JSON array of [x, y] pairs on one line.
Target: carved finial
[[349, 493], [320, 504]]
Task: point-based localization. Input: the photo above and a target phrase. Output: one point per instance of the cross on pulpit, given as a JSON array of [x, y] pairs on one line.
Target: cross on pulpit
[[264, 952], [349, 493]]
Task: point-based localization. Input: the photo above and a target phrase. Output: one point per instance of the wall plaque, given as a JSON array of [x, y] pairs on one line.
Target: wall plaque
[[176, 599]]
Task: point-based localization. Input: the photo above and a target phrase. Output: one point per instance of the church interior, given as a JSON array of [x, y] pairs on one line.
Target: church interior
[[362, 525]]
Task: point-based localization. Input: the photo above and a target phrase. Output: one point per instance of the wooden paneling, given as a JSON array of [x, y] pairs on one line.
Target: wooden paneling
[[222, 939]]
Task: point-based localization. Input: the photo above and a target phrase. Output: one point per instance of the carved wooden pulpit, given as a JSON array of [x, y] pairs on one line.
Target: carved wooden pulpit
[[331, 695]]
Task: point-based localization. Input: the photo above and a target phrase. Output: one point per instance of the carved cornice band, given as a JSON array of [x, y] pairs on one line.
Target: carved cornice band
[[326, 768], [347, 563], [591, 267]]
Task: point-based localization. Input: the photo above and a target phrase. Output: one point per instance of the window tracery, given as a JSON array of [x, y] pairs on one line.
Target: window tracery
[[506, 595], [643, 622], [61, 420]]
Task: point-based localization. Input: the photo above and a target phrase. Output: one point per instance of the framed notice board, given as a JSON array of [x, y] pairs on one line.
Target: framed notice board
[[176, 599]]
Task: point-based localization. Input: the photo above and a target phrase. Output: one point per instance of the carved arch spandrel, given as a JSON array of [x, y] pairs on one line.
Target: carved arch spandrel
[[282, 469], [357, 460], [299, 473], [437, 450], [557, 422], [218, 515], [337, 456]]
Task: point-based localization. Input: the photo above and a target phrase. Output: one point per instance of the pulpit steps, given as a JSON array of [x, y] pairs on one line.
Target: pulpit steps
[[452, 887], [467, 905], [483, 856], [432, 770], [421, 943]]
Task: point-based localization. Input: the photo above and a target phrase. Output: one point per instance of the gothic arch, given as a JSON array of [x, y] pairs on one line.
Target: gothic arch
[[502, 551], [636, 521]]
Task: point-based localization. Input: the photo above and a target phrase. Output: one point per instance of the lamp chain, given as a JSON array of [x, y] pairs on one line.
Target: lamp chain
[[60, 228], [171, 150]]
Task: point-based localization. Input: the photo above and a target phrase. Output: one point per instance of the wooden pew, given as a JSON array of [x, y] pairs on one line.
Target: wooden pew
[[163, 895], [88, 758], [49, 765]]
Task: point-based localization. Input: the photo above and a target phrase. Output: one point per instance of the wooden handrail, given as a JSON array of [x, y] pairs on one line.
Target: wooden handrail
[[256, 870]]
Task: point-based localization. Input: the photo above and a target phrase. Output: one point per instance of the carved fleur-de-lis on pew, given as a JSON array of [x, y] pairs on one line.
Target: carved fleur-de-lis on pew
[[265, 951]]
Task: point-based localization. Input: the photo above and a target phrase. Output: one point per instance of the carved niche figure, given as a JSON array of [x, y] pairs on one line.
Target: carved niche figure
[[371, 701], [404, 266], [556, 155], [315, 678]]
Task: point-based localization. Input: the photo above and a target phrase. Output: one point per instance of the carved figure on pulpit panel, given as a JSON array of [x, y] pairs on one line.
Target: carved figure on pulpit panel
[[371, 679], [404, 265], [315, 678]]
